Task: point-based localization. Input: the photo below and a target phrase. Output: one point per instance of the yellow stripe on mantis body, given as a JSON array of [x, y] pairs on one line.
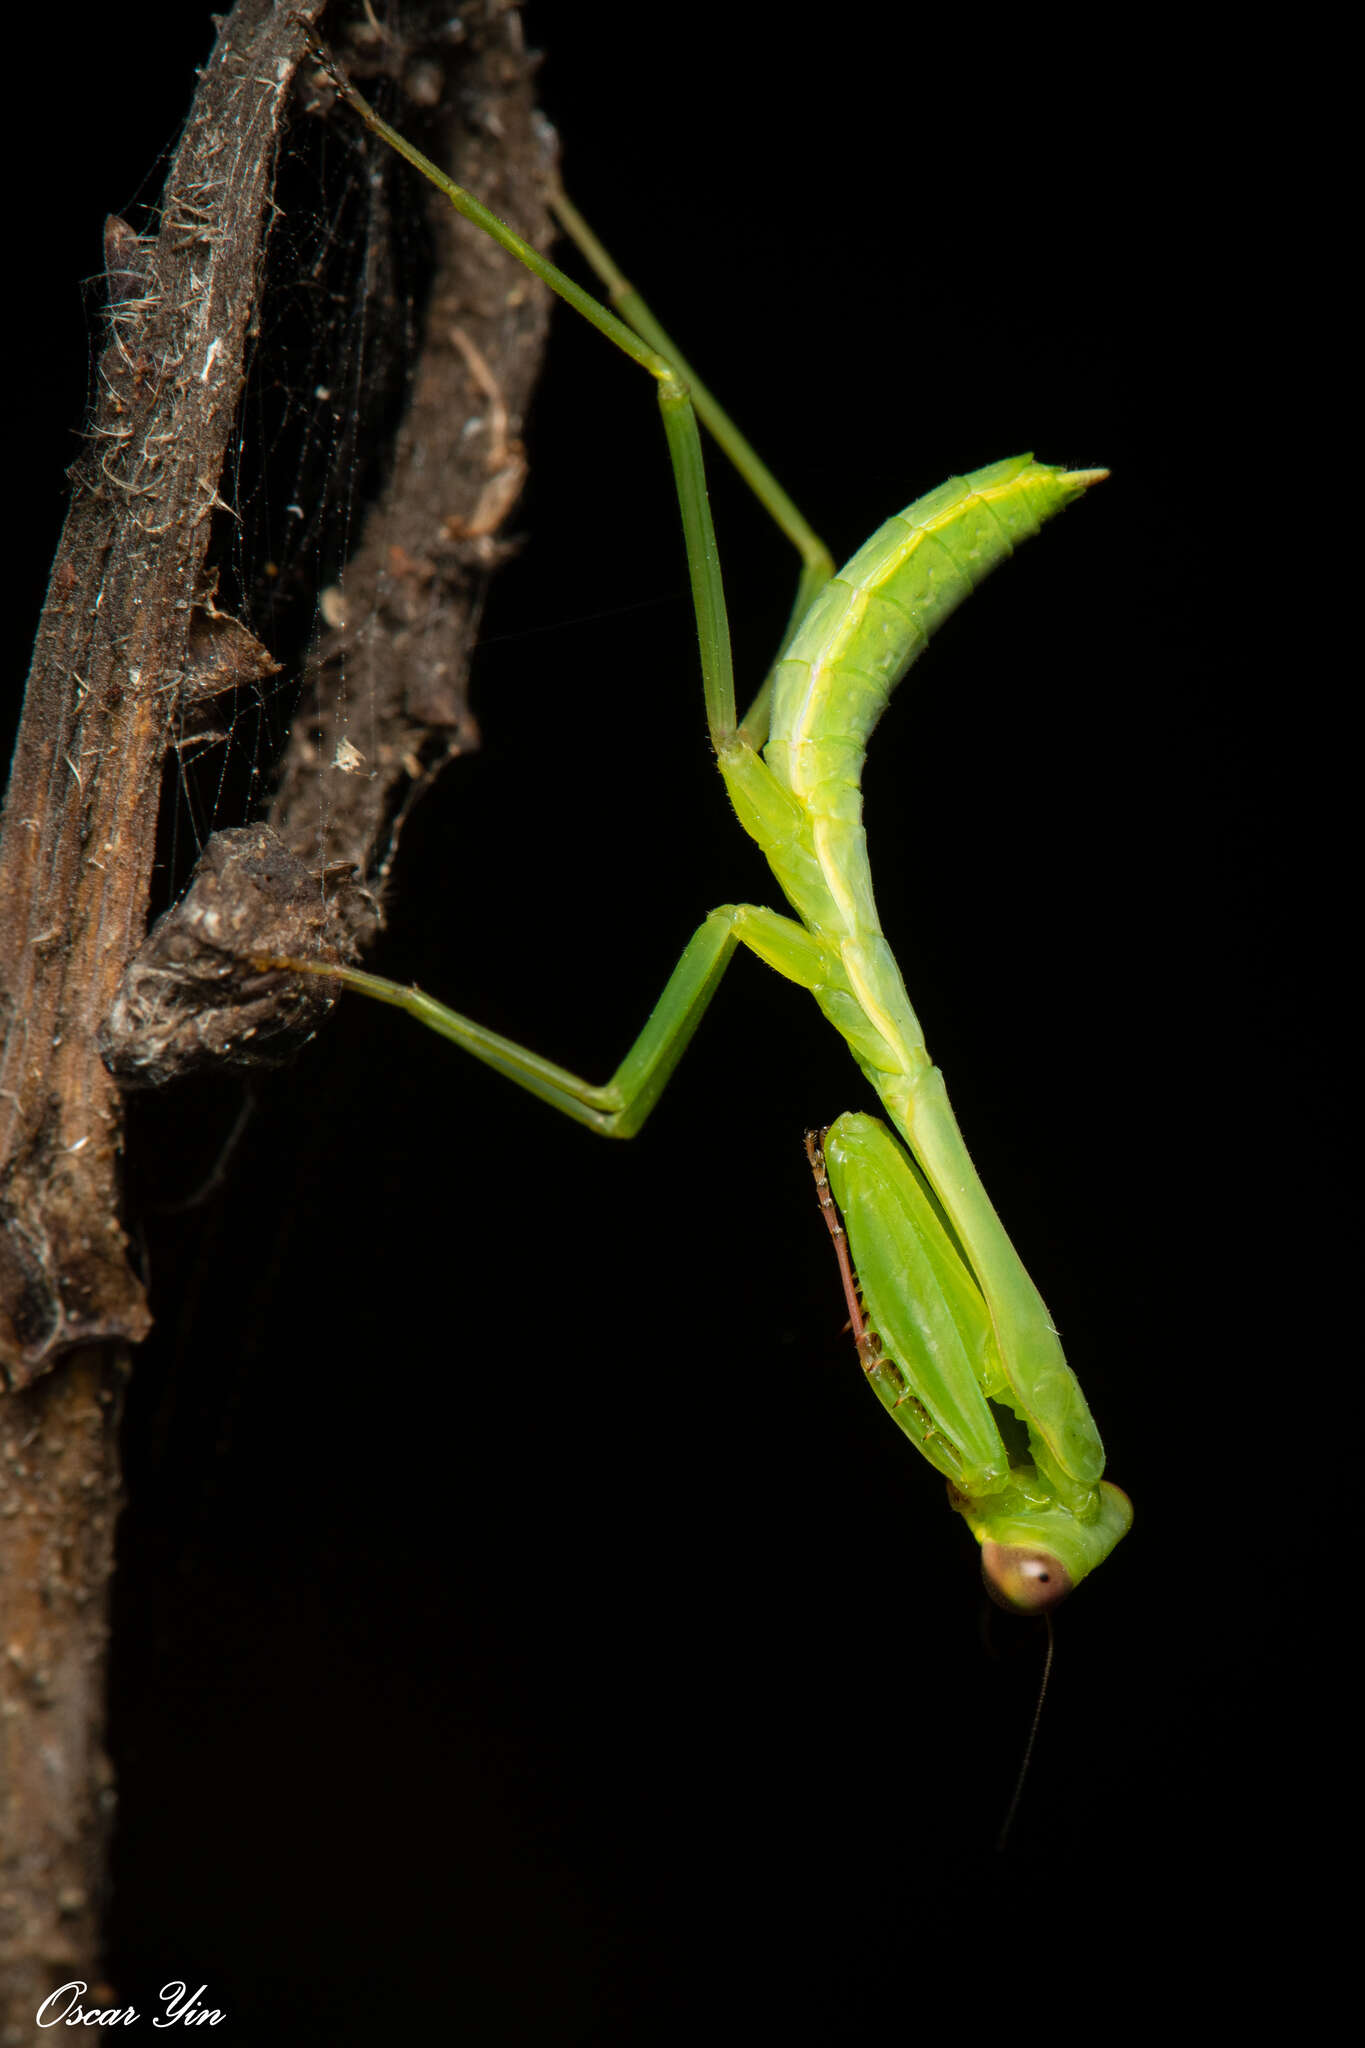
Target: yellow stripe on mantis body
[[864, 630], [803, 803]]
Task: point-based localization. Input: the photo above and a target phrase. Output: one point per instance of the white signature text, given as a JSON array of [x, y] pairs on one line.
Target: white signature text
[[63, 2008]]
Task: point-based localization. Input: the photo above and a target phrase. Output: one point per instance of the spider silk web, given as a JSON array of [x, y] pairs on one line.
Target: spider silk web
[[329, 364]]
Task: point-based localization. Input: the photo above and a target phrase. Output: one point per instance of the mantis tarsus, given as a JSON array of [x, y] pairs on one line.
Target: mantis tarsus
[[957, 1342]]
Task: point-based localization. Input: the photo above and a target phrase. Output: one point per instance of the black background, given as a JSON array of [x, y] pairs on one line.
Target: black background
[[528, 1629]]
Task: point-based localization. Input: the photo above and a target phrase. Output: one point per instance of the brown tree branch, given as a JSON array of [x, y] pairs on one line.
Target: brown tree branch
[[130, 648], [110, 662]]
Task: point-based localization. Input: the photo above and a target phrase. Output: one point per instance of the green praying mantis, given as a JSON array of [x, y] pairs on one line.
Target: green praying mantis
[[951, 1331]]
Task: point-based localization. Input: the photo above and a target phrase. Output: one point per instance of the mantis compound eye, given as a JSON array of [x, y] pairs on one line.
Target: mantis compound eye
[[1021, 1580]]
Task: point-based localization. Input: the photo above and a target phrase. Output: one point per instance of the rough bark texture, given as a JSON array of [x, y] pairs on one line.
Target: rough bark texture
[[309, 880], [130, 643], [410, 602], [59, 1469], [110, 663]]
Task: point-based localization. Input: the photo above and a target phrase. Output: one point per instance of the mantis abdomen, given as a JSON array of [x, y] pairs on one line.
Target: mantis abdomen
[[864, 630]]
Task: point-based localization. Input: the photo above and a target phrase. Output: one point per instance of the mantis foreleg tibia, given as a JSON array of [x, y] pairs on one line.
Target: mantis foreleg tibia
[[956, 1333]]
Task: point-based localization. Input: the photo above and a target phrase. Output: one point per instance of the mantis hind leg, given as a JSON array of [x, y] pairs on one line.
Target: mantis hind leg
[[682, 399], [817, 563]]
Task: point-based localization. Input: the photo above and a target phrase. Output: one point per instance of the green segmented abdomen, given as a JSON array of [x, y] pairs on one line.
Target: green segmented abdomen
[[864, 630]]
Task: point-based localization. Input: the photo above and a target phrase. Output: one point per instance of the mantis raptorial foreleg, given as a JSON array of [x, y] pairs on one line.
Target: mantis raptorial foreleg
[[954, 1332]]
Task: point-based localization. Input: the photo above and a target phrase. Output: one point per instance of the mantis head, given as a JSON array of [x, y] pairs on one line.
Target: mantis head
[[1033, 1549], [1021, 1580]]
